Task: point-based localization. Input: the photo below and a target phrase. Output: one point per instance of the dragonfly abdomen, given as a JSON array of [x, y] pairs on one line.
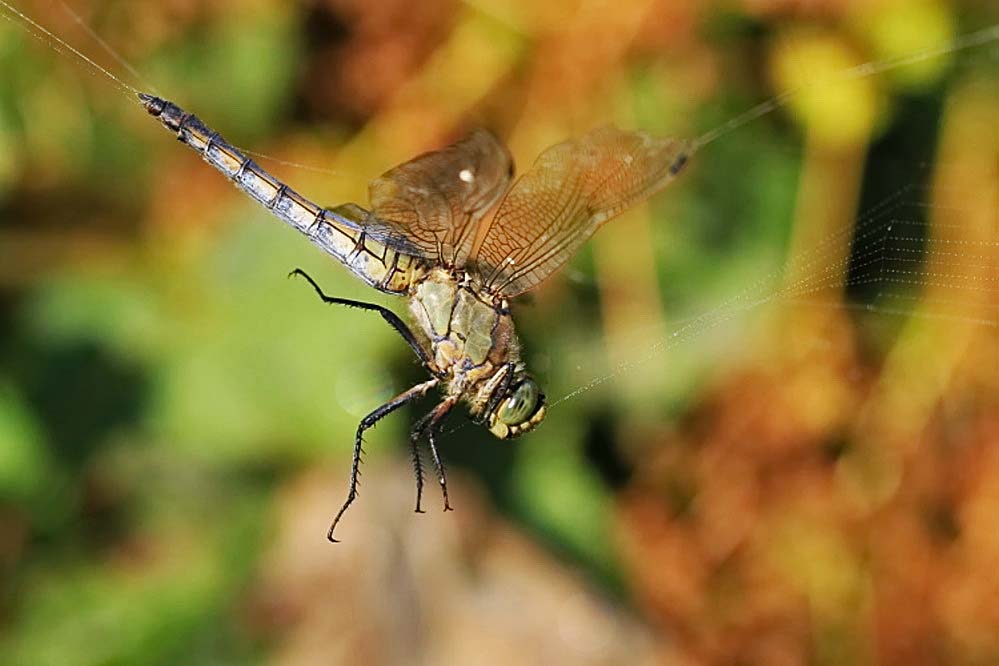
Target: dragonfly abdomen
[[376, 264]]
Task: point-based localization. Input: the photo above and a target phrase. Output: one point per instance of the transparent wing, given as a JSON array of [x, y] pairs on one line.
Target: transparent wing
[[431, 205], [571, 190]]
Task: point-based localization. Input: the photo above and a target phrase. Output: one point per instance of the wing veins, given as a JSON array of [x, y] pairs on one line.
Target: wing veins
[[552, 251], [529, 262]]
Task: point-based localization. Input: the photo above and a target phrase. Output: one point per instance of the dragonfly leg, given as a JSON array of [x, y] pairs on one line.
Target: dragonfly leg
[[497, 395], [367, 422], [414, 447], [428, 425], [441, 472], [392, 318]]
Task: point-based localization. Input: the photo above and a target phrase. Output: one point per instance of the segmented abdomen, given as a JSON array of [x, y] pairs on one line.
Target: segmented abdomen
[[381, 267]]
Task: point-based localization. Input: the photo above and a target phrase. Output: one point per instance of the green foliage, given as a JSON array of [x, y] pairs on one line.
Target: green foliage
[[23, 462]]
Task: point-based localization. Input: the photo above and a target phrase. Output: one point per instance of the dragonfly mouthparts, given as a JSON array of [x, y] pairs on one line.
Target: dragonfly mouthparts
[[153, 104]]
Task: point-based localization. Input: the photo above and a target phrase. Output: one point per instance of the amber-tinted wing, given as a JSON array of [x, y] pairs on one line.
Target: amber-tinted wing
[[571, 190], [431, 205]]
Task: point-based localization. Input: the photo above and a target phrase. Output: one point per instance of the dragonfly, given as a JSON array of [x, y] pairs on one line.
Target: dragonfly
[[453, 233]]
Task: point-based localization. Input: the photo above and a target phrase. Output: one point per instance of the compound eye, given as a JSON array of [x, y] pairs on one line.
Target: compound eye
[[520, 405]]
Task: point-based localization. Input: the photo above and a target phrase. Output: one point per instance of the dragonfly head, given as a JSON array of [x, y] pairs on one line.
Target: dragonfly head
[[520, 410]]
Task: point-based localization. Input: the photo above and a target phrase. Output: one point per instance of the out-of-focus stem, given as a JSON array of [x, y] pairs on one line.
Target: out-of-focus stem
[[820, 247]]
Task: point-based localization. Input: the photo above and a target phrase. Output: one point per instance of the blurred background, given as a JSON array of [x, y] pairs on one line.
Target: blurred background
[[775, 437]]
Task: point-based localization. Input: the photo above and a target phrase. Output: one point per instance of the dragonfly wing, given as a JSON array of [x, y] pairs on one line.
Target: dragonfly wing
[[436, 200], [572, 189]]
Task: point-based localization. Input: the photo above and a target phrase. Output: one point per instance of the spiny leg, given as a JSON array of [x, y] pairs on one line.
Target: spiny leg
[[392, 318], [441, 472], [366, 423], [414, 448], [427, 425]]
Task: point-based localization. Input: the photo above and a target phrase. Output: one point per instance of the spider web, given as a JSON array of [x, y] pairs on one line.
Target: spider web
[[909, 257], [926, 250]]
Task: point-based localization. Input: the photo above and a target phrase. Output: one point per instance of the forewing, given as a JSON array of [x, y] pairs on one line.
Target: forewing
[[571, 190], [436, 200]]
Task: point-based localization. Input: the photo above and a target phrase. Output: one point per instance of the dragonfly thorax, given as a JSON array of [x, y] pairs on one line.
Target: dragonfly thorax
[[473, 346]]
